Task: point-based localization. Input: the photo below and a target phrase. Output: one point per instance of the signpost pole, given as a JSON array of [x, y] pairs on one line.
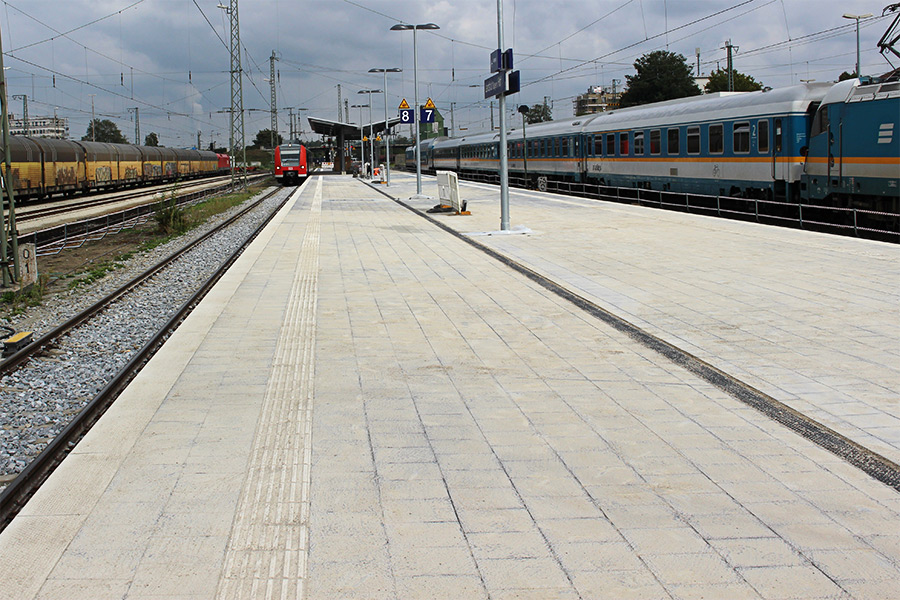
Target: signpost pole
[[504, 166]]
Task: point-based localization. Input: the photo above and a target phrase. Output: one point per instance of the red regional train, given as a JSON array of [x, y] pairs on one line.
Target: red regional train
[[290, 163]]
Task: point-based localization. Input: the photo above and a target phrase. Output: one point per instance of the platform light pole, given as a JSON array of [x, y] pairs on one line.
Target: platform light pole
[[857, 17], [387, 140], [371, 132], [414, 28], [362, 144]]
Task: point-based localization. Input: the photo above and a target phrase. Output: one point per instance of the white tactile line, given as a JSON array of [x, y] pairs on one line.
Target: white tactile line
[[267, 551]]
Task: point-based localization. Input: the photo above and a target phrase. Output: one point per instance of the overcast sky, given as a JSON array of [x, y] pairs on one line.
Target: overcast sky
[[170, 58]]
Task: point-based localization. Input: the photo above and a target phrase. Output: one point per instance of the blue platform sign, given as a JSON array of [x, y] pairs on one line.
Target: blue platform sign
[[407, 116], [427, 115], [501, 84]]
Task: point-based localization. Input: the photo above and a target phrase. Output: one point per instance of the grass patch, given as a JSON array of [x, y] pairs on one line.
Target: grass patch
[[96, 272], [16, 302]]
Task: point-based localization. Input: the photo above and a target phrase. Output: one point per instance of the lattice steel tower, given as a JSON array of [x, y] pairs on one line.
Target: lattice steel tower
[[236, 138], [272, 104]]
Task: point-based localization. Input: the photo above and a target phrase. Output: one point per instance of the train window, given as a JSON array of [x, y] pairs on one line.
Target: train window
[[762, 139], [740, 137], [673, 140], [716, 139], [655, 141], [777, 135], [564, 148], [639, 143], [623, 144], [693, 140], [610, 144], [598, 145]]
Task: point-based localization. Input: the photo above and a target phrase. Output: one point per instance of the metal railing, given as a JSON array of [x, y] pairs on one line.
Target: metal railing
[[859, 222]]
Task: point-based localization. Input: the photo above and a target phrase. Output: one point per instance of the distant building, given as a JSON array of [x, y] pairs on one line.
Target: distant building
[[597, 99], [48, 127]]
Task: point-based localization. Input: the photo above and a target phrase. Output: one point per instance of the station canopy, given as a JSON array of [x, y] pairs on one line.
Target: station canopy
[[349, 131]]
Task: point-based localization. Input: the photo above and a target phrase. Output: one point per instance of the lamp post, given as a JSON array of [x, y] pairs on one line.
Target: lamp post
[[857, 17], [362, 145], [406, 27], [387, 142], [371, 132], [523, 110]]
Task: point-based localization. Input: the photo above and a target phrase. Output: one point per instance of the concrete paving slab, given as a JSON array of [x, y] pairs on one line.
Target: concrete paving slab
[[431, 424]]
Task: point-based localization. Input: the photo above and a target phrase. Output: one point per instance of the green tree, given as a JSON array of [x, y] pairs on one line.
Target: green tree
[[106, 131], [538, 113], [263, 139], [718, 82], [151, 140], [661, 75], [845, 75]]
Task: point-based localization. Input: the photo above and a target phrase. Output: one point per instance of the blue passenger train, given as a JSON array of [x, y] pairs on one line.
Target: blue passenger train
[[837, 144]]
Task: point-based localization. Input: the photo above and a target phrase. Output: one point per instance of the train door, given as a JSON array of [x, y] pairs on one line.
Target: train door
[[780, 162]]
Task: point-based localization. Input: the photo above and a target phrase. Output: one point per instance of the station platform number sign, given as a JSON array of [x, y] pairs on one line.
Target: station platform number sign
[[427, 113]]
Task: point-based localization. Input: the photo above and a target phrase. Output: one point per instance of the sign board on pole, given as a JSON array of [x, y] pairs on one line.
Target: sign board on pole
[[429, 112], [407, 116], [502, 83]]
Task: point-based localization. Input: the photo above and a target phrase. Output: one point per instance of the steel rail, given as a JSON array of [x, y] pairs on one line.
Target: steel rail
[[30, 479]]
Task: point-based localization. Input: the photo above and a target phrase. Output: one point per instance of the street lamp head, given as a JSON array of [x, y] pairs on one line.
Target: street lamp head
[[391, 70], [849, 16], [407, 27]]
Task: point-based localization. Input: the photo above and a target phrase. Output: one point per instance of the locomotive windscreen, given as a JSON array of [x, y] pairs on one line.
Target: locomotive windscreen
[[290, 158]]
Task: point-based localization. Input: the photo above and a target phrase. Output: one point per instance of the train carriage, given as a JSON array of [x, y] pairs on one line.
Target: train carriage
[[837, 143], [151, 163], [739, 144], [62, 165], [101, 164], [131, 169]]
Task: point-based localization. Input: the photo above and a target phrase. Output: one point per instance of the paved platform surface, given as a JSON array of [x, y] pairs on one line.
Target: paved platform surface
[[368, 407]]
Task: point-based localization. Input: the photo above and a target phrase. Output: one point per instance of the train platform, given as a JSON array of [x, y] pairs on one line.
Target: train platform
[[368, 405]]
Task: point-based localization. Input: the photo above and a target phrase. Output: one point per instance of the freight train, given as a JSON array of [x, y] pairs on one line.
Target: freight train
[[290, 164], [836, 144], [42, 167]]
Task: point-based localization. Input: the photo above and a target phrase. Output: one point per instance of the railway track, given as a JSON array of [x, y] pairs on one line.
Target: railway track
[[45, 209], [30, 478]]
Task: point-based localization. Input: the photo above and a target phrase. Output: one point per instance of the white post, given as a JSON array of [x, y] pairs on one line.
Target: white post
[[504, 166]]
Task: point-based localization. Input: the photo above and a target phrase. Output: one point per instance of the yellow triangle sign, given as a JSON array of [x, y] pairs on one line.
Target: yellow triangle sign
[[365, 138], [430, 104], [404, 105]]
